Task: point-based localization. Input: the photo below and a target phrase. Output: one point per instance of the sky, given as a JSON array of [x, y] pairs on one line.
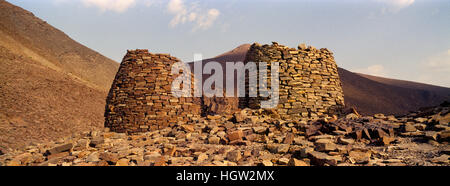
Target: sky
[[401, 39]]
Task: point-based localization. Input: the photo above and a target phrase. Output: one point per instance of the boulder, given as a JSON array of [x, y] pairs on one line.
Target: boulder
[[235, 135], [359, 156], [321, 159], [234, 156], [59, 149], [296, 162]]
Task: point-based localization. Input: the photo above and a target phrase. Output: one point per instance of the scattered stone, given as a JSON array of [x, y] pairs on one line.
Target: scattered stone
[[161, 161], [345, 141], [188, 128], [59, 149], [171, 151], [358, 156], [240, 116], [96, 141], [152, 157], [296, 162], [444, 135], [123, 162], [421, 120], [432, 135], [234, 156], [215, 117], [260, 129], [59, 155], [235, 135], [443, 159], [420, 126], [81, 145], [257, 140], [213, 140], [351, 116], [379, 116], [93, 157], [289, 138], [202, 157], [14, 163], [283, 161], [304, 152], [409, 127], [110, 158], [283, 148], [321, 159], [325, 145], [266, 163]]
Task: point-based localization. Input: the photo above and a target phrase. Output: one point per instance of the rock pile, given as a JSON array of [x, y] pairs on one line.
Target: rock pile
[[254, 137], [140, 98], [309, 80], [428, 123]]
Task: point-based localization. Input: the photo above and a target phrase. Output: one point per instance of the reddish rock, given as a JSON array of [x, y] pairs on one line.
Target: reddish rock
[[289, 138], [59, 155], [123, 162], [296, 162], [61, 148], [111, 158], [235, 135]]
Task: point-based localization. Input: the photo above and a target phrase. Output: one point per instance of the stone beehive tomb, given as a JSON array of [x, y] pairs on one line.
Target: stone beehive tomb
[[140, 98], [309, 84]]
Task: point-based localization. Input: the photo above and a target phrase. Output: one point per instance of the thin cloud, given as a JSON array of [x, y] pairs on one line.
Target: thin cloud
[[181, 12], [395, 5], [203, 19], [439, 62], [149, 3], [435, 69], [375, 70], [118, 6]]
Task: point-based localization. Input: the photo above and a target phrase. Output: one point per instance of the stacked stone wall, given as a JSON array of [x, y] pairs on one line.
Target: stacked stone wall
[[140, 98], [309, 84]]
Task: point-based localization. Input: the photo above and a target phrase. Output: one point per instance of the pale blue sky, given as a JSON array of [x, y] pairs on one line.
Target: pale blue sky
[[403, 39]]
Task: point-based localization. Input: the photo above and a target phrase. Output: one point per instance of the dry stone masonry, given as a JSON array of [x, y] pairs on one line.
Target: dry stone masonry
[[309, 84], [140, 98]]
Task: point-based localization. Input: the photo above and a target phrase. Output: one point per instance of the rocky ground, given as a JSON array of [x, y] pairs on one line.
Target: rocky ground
[[258, 137]]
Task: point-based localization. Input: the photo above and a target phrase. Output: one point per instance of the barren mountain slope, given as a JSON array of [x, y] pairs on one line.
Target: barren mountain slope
[[372, 97], [50, 85], [406, 84], [38, 103], [51, 47], [237, 54]]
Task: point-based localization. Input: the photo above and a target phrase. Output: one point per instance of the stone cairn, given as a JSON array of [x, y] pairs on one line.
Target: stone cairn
[[309, 84], [140, 98]]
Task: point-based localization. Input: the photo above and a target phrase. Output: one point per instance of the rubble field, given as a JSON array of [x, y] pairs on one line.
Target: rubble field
[[258, 137]]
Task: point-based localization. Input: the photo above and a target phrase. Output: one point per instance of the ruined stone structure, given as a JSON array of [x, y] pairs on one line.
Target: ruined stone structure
[[309, 83], [140, 98]]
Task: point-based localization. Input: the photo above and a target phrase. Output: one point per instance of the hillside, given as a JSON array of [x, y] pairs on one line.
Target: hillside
[[25, 34], [370, 94], [50, 85], [406, 84]]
